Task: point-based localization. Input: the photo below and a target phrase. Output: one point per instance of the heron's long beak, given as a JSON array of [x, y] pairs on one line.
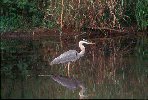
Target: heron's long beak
[[90, 43]]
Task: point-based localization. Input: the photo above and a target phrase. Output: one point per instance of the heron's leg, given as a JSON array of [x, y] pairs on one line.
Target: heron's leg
[[68, 67], [65, 66]]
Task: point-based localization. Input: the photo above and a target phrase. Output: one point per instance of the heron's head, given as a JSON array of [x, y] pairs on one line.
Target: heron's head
[[85, 42]]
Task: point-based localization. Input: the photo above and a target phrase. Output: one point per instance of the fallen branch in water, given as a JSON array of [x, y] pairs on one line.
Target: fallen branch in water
[[40, 75]]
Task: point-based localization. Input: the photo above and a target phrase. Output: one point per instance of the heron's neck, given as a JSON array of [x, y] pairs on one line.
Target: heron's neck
[[82, 49]]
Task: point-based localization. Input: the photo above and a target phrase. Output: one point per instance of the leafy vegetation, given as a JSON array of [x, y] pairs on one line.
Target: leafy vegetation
[[141, 13], [24, 14]]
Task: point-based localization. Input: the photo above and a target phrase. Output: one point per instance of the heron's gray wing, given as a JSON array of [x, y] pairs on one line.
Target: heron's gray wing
[[70, 55]]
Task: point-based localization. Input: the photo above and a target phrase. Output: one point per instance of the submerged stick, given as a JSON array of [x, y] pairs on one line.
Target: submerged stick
[[41, 75]]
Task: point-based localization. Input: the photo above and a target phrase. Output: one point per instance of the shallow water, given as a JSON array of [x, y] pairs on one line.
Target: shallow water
[[107, 70]]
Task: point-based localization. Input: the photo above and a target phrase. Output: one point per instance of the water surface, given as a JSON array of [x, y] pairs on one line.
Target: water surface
[[109, 69]]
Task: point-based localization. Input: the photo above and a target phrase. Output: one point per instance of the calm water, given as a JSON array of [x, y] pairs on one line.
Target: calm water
[[108, 69]]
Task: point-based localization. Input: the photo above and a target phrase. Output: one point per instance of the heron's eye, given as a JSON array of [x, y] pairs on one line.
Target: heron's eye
[[85, 40]]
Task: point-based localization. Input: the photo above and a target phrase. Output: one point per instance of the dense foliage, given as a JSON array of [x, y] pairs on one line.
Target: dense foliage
[[24, 14]]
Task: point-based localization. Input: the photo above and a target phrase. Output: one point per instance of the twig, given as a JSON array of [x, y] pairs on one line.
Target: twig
[[40, 75]]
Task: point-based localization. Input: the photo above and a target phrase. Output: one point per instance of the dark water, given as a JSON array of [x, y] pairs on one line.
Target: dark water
[[110, 69]]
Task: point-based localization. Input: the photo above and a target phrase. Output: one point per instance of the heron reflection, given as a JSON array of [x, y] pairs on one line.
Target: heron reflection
[[70, 83], [71, 55]]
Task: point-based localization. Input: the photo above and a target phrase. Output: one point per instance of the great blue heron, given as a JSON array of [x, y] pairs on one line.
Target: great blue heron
[[71, 55], [70, 83]]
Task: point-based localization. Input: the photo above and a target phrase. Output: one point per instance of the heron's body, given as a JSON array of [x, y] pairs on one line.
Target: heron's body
[[71, 55]]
